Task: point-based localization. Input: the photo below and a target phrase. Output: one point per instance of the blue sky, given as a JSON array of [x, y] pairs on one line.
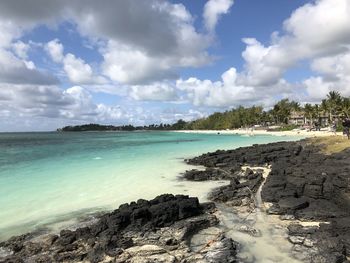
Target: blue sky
[[131, 62]]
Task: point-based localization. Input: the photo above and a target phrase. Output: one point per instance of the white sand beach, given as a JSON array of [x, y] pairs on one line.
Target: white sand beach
[[250, 132]]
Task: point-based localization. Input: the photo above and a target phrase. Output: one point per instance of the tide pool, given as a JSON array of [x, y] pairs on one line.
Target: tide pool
[[48, 179]]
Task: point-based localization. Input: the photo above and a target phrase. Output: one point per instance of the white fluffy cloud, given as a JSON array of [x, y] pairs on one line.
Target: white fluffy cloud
[[14, 66], [144, 40], [172, 42], [144, 44], [17, 71], [228, 92], [21, 49], [213, 10], [318, 32], [317, 29], [75, 104], [154, 92], [335, 75], [77, 70], [55, 50]]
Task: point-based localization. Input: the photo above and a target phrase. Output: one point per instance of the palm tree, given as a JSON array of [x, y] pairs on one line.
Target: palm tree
[[281, 111], [317, 111], [345, 107], [334, 100], [309, 110], [295, 106], [324, 107]]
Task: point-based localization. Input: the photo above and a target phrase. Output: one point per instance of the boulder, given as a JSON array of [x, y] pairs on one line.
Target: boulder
[[289, 204]]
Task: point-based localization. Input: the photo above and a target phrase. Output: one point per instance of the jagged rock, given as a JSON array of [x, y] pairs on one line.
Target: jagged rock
[[303, 184], [158, 230]]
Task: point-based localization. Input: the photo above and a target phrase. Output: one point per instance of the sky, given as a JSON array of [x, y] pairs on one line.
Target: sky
[[156, 61]]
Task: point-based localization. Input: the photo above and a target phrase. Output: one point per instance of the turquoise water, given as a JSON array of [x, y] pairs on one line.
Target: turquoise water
[[49, 178]]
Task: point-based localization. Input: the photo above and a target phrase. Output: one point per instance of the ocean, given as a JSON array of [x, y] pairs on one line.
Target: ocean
[[50, 180]]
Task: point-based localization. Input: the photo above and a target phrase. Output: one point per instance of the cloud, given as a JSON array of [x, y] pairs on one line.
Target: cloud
[[228, 92], [55, 50], [334, 74], [313, 30], [75, 103], [157, 36], [17, 71], [318, 33], [316, 88], [171, 115], [167, 43], [144, 44], [154, 92], [258, 71], [21, 49], [14, 66], [213, 10], [77, 70]]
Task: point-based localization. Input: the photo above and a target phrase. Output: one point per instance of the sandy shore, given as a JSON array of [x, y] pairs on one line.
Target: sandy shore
[[249, 132]]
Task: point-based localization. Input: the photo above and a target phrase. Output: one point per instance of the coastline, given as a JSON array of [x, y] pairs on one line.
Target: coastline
[[306, 193], [303, 233], [249, 132]]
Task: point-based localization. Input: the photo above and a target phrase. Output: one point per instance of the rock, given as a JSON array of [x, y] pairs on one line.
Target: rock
[[5, 252], [274, 210], [303, 184], [296, 239], [289, 204], [287, 217], [314, 191], [142, 231], [145, 250], [308, 242], [250, 231], [223, 250]]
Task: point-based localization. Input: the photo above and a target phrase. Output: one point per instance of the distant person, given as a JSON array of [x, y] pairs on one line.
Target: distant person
[[334, 127], [317, 126], [346, 127]]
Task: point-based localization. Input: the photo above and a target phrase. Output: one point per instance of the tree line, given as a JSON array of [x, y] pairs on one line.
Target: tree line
[[334, 107]]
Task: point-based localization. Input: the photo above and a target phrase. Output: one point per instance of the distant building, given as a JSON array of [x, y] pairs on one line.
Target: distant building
[[324, 120], [297, 118]]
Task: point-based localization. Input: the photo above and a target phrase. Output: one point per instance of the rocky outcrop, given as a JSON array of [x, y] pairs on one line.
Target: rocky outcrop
[[158, 230], [328, 242], [241, 189], [303, 184]]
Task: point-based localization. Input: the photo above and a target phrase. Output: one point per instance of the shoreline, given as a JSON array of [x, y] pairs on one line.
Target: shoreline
[[249, 132], [306, 189], [240, 168]]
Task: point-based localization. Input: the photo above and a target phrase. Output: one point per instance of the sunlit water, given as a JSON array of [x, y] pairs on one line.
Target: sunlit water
[[48, 179]]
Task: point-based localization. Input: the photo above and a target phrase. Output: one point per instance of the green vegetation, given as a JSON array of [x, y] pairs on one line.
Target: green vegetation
[[288, 127], [235, 118], [334, 107], [98, 127]]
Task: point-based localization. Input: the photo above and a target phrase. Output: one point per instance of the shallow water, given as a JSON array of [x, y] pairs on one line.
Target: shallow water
[[51, 179], [269, 240]]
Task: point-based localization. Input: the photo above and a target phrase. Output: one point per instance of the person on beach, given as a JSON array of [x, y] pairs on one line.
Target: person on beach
[[346, 127], [317, 126], [334, 127]]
